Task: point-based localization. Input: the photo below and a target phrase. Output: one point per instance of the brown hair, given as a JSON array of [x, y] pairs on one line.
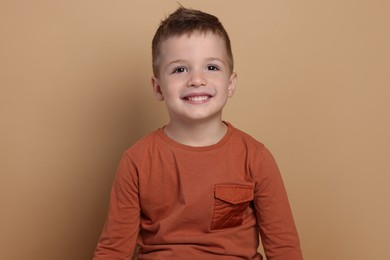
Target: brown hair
[[186, 21]]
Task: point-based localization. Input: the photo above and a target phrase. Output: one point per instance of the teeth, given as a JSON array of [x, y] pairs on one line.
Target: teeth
[[198, 98]]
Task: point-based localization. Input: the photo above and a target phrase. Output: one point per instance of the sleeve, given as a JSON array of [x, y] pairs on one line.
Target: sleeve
[[275, 220], [120, 232]]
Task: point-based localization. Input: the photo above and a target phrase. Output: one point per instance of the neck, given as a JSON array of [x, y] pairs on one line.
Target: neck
[[196, 133]]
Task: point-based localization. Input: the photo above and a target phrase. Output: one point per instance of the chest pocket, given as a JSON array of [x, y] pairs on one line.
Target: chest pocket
[[231, 202]]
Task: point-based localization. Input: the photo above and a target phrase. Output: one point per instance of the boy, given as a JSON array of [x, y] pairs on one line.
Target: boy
[[197, 188]]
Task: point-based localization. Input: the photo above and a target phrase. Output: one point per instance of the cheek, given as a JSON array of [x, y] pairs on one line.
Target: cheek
[[169, 92], [226, 84]]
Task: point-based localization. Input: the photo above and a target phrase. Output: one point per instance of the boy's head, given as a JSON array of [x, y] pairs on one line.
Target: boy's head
[[187, 21]]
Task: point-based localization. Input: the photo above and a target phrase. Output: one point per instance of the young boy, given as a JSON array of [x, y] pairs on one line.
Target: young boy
[[198, 188]]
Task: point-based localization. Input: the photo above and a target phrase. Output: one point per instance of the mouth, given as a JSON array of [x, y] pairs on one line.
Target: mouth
[[197, 98]]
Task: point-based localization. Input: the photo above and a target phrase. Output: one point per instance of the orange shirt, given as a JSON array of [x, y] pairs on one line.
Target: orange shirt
[[213, 202]]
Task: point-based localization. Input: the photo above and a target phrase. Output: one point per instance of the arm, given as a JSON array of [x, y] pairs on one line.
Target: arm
[[275, 221], [120, 231]]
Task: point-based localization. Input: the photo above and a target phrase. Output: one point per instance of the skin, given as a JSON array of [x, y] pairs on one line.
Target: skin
[[195, 82]]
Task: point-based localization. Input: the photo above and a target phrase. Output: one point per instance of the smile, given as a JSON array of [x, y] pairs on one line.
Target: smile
[[198, 98], [194, 99]]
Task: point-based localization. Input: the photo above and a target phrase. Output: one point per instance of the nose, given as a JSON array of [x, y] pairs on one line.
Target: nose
[[196, 79]]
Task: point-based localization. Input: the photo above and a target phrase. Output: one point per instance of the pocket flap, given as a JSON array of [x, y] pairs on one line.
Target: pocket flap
[[233, 193]]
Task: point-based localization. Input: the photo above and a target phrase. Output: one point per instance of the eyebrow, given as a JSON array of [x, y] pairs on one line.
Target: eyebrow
[[184, 61], [216, 59], [175, 61]]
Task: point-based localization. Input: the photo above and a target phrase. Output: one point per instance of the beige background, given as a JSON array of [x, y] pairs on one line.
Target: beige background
[[314, 79]]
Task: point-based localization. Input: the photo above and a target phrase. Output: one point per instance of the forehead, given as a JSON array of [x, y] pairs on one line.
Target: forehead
[[194, 45]]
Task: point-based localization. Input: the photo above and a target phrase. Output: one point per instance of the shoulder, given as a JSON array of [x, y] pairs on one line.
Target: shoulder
[[245, 138], [253, 148], [260, 161], [143, 145]]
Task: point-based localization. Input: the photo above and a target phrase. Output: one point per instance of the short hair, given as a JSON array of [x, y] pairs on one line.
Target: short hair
[[187, 21]]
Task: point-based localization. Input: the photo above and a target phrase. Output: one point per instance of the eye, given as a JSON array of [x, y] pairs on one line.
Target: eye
[[180, 70], [212, 67]]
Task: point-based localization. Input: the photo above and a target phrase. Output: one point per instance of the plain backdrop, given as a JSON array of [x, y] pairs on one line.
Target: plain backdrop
[[75, 92]]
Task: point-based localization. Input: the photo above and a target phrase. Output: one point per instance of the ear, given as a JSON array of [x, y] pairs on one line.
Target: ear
[[157, 89], [232, 84]]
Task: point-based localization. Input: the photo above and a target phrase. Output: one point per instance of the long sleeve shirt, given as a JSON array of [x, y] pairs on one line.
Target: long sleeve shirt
[[213, 202]]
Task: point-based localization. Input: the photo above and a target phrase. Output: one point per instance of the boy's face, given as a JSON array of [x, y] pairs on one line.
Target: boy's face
[[194, 77]]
